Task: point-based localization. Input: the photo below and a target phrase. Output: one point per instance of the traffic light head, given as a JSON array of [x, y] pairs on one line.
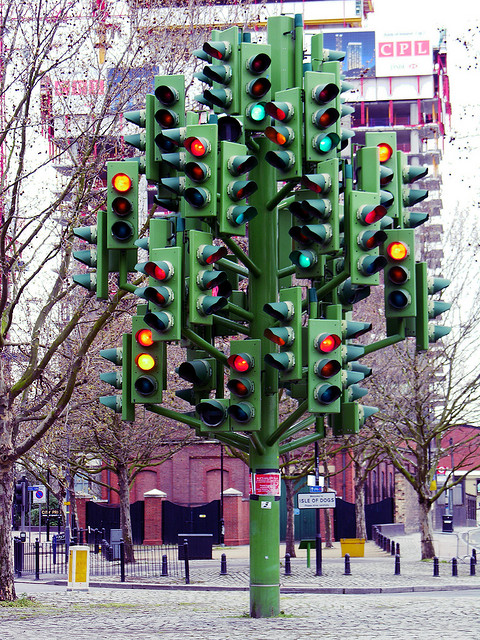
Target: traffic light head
[[122, 204], [164, 292], [322, 114], [221, 72], [288, 336], [287, 110], [255, 85], [388, 181], [324, 365], [168, 108], [233, 213], [148, 363], [365, 237], [201, 168], [207, 289], [244, 385], [400, 287]]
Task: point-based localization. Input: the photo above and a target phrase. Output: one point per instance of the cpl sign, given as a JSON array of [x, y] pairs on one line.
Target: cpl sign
[[403, 54]]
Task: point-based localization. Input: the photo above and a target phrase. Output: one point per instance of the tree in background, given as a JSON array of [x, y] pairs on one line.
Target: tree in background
[[67, 75]]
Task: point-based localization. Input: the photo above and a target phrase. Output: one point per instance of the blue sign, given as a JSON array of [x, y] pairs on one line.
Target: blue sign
[[315, 489]]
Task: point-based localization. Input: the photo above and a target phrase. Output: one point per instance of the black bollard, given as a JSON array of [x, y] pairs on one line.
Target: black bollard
[[436, 567], [474, 555], [187, 566], [37, 559], [164, 565], [318, 554], [473, 562], [288, 566], [122, 561], [392, 548], [347, 565], [397, 552], [397, 565], [454, 567], [223, 565]]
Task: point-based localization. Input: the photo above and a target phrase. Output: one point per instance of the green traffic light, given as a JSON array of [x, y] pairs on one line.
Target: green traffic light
[[256, 111], [303, 258]]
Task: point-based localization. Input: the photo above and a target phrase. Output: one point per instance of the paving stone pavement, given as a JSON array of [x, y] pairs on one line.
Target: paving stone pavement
[[370, 603]]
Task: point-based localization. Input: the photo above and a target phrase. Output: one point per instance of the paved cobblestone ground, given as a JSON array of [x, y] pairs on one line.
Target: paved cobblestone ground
[[334, 606], [114, 614]]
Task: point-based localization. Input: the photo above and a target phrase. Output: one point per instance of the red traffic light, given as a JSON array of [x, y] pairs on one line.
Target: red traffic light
[[370, 214], [198, 147], [241, 362], [121, 182], [397, 251], [386, 151], [327, 342], [161, 271], [144, 337]]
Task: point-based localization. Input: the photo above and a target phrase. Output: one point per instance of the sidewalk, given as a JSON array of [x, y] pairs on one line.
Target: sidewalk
[[374, 573]]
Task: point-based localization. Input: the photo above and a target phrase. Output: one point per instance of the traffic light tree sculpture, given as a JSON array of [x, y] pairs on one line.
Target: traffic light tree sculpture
[[274, 173]]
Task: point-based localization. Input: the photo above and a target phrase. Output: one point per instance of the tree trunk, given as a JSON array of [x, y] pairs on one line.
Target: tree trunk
[[326, 512], [290, 534], [360, 523], [328, 528], [125, 520], [426, 533], [7, 586]]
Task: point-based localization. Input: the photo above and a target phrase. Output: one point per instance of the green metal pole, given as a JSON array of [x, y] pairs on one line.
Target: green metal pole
[[264, 509]]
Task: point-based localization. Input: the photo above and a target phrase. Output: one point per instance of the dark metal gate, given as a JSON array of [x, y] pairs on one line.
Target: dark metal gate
[[375, 513], [100, 516], [180, 519]]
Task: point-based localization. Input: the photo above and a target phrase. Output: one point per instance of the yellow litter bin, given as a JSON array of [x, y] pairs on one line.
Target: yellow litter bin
[[355, 547]]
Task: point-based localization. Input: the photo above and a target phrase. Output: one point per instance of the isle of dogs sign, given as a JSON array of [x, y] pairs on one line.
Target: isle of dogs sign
[[316, 500]]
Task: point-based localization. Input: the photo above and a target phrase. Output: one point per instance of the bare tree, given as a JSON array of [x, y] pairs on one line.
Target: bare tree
[[67, 75]]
